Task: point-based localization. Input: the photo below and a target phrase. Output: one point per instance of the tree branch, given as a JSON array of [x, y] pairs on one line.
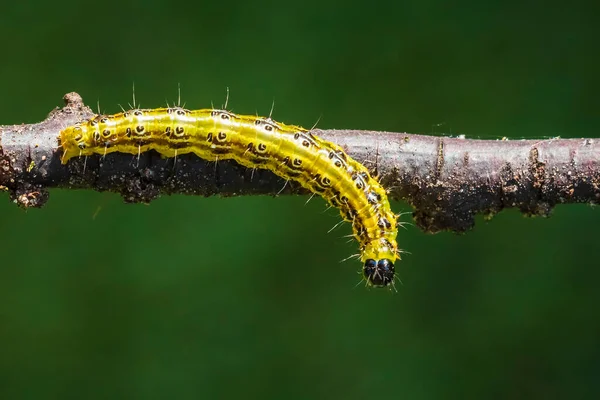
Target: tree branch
[[447, 180]]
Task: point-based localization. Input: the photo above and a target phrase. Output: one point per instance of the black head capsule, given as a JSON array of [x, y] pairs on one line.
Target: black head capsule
[[379, 273]]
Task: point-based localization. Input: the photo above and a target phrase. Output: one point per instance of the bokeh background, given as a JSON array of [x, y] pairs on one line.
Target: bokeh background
[[245, 297]]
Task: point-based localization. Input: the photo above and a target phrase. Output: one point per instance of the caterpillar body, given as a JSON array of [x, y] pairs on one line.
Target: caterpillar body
[[289, 151]]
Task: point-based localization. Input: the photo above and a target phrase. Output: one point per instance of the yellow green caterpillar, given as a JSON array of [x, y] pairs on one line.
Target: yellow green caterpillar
[[290, 152]]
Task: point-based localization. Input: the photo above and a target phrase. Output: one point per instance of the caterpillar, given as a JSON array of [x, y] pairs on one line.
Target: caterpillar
[[289, 151]]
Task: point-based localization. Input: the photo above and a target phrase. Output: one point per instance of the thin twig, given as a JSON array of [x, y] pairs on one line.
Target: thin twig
[[447, 180]]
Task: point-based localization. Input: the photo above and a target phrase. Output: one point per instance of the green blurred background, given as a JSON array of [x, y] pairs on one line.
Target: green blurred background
[[244, 297]]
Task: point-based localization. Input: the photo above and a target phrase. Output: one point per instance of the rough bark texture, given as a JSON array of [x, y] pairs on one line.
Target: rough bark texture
[[447, 180]]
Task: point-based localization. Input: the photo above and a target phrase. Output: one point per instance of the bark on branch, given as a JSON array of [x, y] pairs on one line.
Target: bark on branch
[[447, 180]]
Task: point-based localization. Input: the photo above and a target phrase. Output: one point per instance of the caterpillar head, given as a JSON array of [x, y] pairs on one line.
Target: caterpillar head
[[379, 273], [378, 269]]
